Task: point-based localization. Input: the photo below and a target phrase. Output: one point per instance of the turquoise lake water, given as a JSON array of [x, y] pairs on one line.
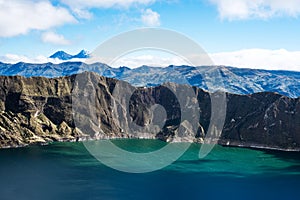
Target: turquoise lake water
[[68, 171]]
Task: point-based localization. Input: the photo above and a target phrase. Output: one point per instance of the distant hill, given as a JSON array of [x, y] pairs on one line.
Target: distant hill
[[65, 56], [232, 80]]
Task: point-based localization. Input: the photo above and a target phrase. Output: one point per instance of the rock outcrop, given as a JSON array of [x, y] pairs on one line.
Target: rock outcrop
[[41, 110]]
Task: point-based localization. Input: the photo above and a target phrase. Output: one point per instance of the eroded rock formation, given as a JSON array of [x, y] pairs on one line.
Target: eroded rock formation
[[41, 110]]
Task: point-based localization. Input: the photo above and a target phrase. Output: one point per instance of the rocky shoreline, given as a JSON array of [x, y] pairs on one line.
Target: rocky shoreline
[[83, 139], [38, 110]]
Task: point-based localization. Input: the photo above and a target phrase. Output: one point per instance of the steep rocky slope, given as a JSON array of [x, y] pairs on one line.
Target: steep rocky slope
[[41, 110]]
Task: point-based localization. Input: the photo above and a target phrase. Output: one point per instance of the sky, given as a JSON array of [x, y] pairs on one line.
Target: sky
[[241, 33]]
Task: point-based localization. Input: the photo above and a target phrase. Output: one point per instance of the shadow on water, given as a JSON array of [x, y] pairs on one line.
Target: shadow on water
[[202, 161], [293, 158], [284, 155], [295, 168]]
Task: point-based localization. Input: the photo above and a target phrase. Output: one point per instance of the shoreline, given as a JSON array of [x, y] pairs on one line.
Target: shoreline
[[82, 140]]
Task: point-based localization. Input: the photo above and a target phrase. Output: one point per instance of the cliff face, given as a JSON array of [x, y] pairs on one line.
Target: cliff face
[[41, 110], [35, 110], [263, 120]]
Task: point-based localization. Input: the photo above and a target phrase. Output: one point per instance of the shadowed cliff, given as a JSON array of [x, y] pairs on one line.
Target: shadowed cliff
[[42, 110]]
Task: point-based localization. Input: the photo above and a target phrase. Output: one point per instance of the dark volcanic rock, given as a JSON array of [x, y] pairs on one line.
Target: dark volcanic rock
[[41, 110], [262, 120]]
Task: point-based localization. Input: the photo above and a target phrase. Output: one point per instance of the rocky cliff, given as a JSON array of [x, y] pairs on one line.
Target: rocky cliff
[[42, 110]]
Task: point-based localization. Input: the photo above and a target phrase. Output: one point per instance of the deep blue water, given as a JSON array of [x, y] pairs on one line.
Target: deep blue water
[[68, 171]]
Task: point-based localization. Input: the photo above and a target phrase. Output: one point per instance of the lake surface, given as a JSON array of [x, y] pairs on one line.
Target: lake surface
[[68, 171]]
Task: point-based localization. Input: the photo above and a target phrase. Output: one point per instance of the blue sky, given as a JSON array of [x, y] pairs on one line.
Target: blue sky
[[224, 28]]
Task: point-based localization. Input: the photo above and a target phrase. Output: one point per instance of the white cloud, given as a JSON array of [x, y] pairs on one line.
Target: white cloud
[[259, 59], [150, 18], [13, 58], [247, 9], [82, 13], [54, 38], [20, 16], [104, 3], [81, 7], [150, 60], [250, 58]]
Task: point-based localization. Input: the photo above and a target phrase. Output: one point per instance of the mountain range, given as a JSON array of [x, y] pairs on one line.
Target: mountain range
[[61, 55], [36, 102], [211, 78]]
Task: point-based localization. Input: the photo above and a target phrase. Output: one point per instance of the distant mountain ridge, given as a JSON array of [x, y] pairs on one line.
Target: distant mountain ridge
[[65, 56], [232, 80]]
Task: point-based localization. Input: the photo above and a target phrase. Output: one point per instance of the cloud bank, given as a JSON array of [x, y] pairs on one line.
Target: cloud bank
[[247, 9], [21, 16], [250, 58], [13, 59], [259, 59], [150, 60]]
